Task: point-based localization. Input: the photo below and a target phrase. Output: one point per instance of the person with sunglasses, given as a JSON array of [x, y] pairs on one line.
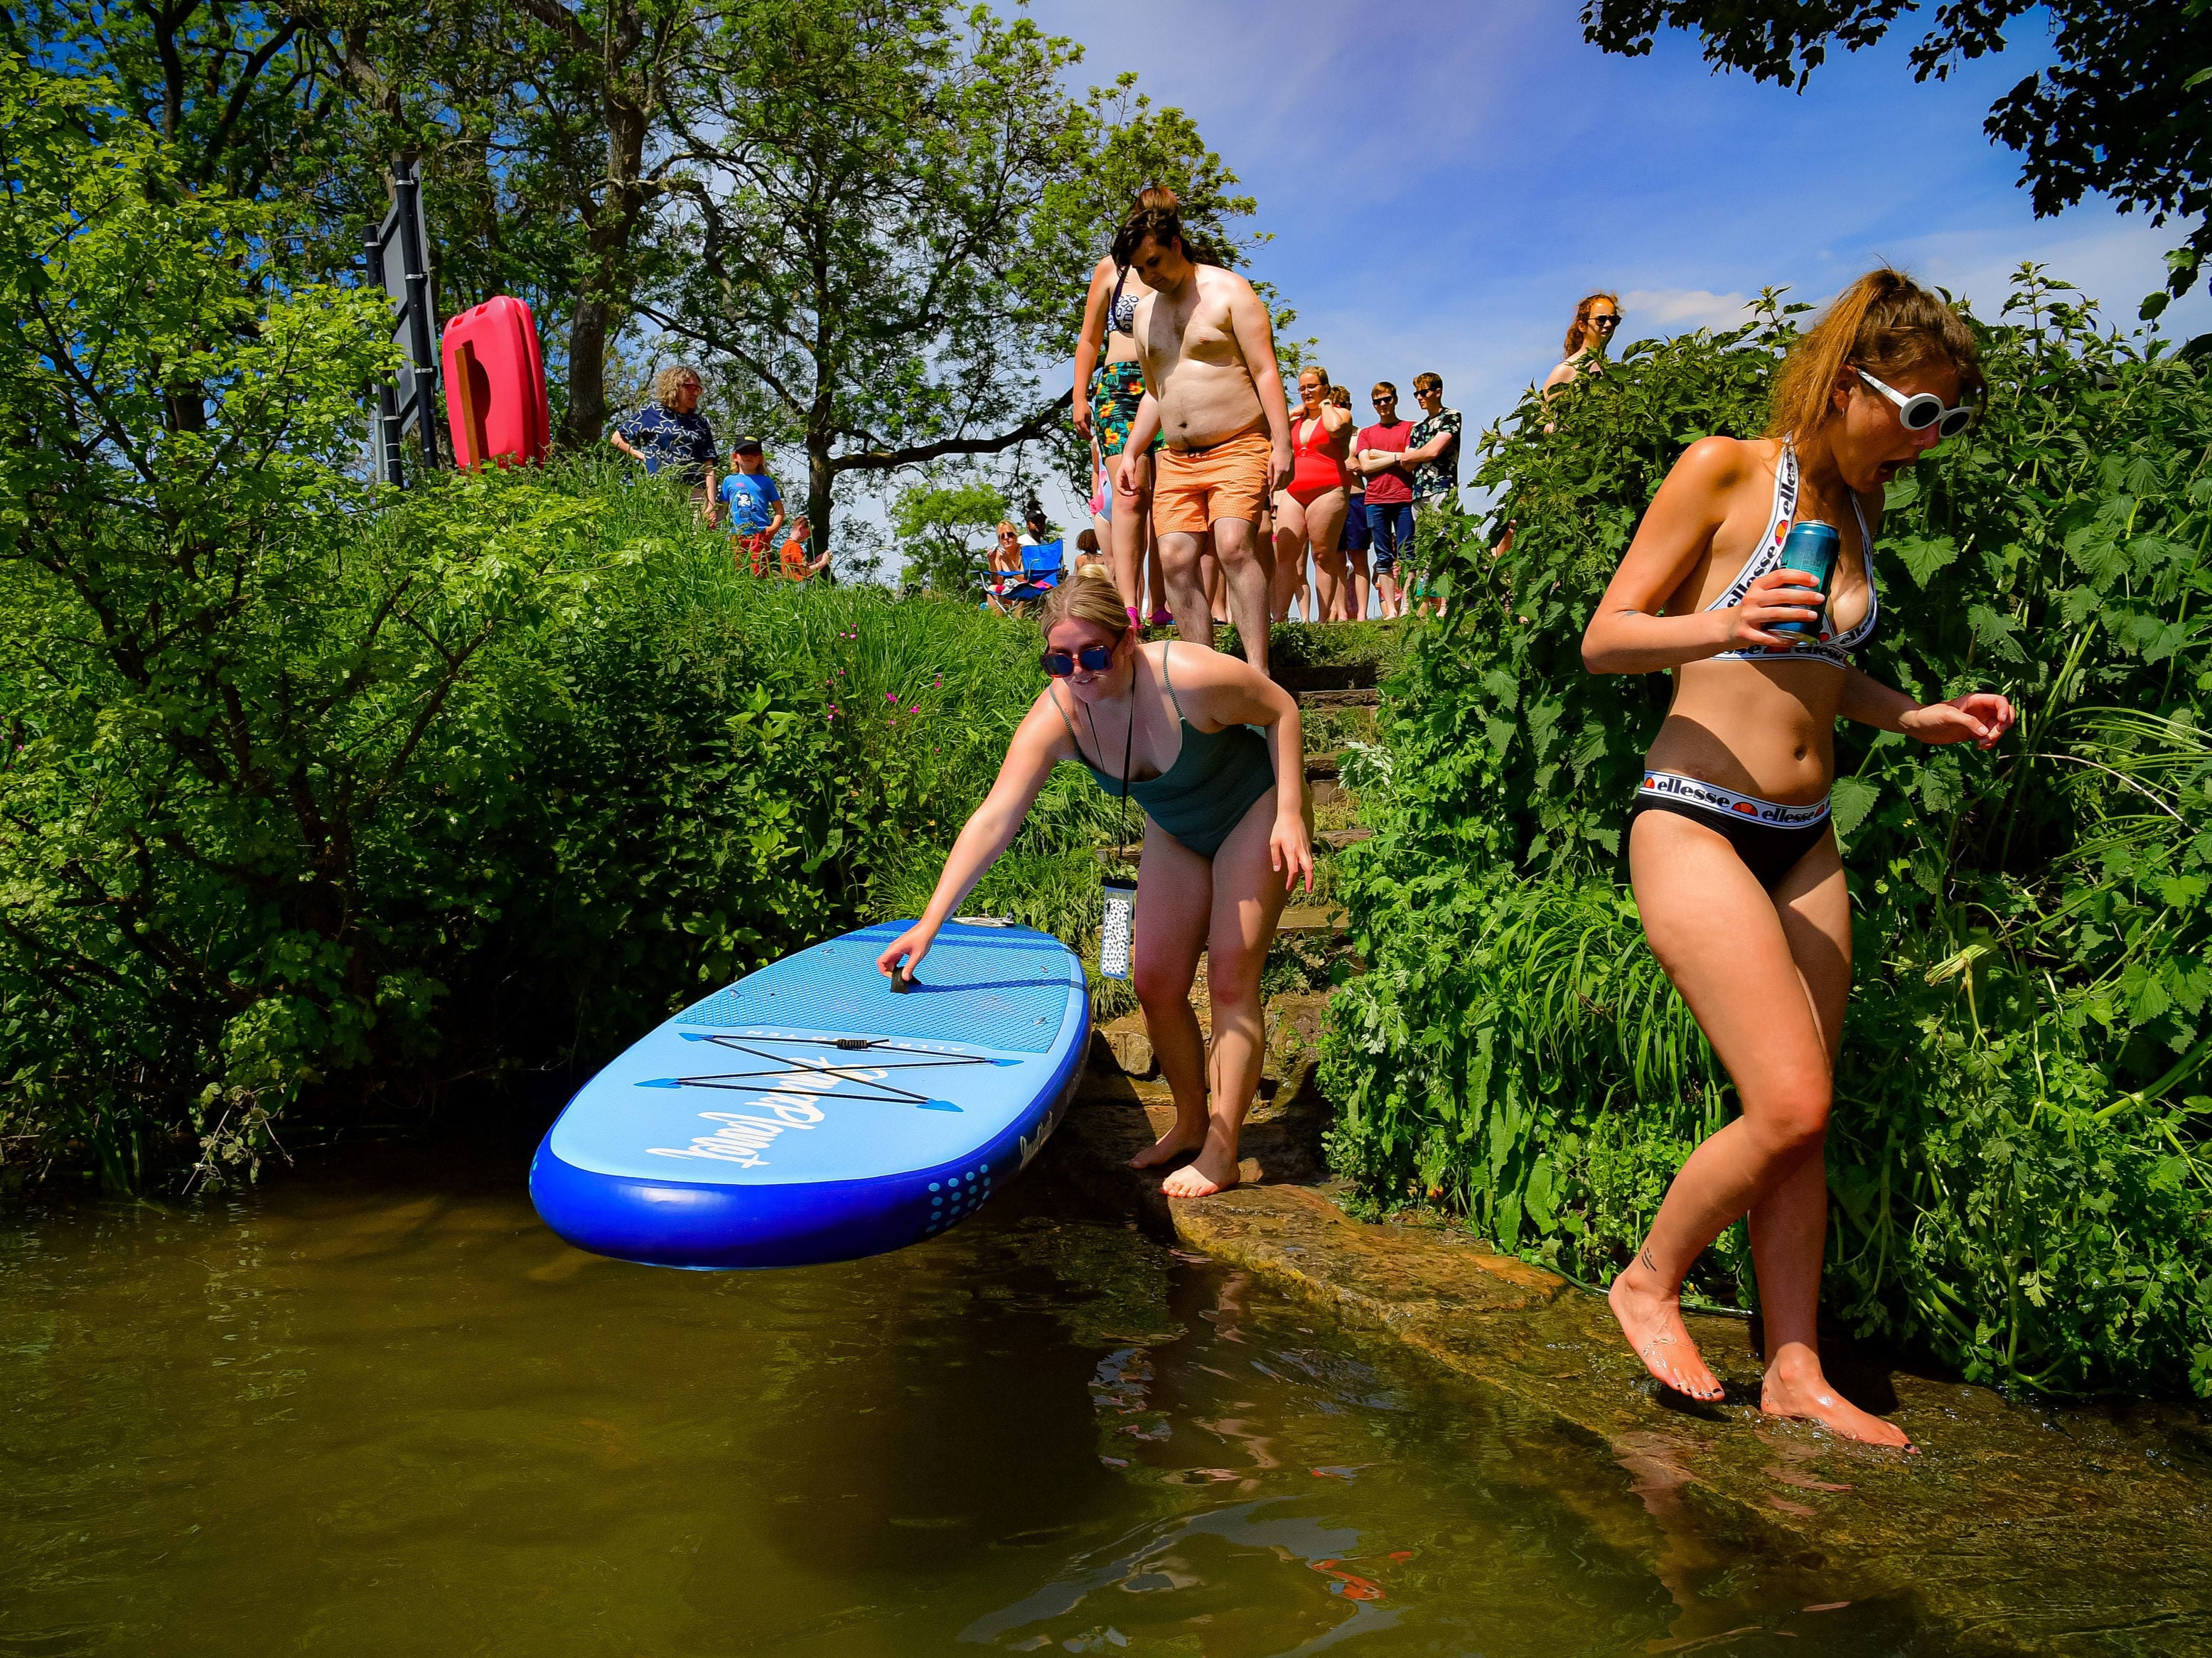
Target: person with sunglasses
[[1731, 852], [1211, 748], [1597, 319]]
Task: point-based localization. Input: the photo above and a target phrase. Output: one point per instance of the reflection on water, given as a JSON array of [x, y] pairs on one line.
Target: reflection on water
[[385, 1411]]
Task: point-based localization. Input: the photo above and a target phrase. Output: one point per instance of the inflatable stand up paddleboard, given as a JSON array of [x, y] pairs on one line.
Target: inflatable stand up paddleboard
[[809, 1113]]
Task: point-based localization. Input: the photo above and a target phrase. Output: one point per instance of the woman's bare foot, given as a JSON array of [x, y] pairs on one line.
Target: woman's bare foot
[[1651, 1316], [1795, 1386], [1169, 1147], [1213, 1169]]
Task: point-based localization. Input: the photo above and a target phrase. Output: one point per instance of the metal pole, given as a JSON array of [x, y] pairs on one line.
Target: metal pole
[[384, 422], [421, 347]]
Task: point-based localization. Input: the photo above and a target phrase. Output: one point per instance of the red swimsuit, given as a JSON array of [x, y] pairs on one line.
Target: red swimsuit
[[1320, 457]]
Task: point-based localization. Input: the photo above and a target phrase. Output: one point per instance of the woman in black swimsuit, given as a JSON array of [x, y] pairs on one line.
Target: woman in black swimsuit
[[1730, 851]]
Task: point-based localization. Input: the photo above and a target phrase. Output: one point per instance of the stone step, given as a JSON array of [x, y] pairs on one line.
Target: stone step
[[1338, 839], [1312, 918], [1349, 699], [1327, 792], [1326, 677], [1325, 764]]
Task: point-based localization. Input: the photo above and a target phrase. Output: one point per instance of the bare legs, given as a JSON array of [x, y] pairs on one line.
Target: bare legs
[[1766, 978], [1243, 572], [1228, 907], [1331, 601], [1315, 525], [1357, 558], [1131, 521], [1290, 562]]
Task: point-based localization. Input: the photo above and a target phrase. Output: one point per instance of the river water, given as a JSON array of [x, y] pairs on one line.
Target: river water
[[378, 1409]]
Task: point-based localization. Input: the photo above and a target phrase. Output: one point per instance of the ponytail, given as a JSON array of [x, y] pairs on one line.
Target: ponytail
[[1884, 323]]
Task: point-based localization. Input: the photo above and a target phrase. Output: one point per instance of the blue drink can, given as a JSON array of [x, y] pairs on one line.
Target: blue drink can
[[1811, 548]]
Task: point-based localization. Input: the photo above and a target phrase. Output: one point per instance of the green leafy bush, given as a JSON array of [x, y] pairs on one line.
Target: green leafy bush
[[314, 790], [2017, 1161]]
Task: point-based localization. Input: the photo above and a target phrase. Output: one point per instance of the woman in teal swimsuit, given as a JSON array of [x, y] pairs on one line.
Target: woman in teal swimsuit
[[1226, 841]]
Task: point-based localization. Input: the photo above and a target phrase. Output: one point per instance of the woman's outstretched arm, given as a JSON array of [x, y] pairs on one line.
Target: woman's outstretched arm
[[1979, 717], [1040, 742]]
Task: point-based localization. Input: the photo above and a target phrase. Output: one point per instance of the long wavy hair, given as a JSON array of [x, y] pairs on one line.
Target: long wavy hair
[[1579, 331], [1884, 323]]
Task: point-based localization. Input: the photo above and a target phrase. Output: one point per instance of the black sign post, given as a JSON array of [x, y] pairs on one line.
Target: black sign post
[[398, 261]]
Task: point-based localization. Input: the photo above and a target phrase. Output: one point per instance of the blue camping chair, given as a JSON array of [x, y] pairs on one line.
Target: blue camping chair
[[1042, 569]]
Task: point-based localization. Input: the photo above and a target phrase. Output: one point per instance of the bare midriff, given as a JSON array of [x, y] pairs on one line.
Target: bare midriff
[[1766, 729], [1204, 386], [1763, 728]]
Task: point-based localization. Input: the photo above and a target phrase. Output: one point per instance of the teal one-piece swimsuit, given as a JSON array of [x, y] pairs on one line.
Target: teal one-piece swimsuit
[[1215, 779]]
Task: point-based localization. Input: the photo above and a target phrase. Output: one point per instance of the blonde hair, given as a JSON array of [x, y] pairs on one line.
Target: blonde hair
[[1316, 369], [1884, 323], [1579, 331], [670, 380], [1089, 595], [1429, 381]]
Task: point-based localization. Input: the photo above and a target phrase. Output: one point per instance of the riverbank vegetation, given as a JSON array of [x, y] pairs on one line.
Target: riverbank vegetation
[[312, 790], [2019, 1162]]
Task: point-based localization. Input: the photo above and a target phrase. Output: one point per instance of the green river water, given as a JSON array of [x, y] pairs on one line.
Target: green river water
[[376, 1408]]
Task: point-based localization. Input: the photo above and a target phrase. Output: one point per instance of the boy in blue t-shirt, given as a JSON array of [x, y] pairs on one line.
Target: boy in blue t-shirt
[[750, 495]]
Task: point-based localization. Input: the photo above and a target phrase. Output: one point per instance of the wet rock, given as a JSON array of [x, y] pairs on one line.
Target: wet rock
[[1127, 1048], [2019, 1528]]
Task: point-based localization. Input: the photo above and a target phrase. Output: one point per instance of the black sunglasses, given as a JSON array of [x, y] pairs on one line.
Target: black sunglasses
[[1097, 658], [1605, 322]]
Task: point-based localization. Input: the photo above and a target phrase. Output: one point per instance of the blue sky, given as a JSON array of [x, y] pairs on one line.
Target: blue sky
[[1444, 178]]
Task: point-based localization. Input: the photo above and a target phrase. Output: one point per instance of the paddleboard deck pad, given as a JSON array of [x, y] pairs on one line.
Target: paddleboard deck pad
[[808, 1113]]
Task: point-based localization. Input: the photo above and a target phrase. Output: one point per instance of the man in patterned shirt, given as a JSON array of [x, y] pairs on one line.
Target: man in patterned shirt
[[671, 432], [1432, 452]]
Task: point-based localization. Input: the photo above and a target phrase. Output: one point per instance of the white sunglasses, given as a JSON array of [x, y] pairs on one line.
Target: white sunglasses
[[1922, 409]]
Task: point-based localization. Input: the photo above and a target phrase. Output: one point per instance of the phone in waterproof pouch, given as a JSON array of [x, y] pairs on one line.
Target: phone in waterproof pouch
[[1118, 931]]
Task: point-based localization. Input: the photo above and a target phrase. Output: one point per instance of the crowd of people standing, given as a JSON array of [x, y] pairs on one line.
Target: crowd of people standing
[[1750, 580], [1335, 535]]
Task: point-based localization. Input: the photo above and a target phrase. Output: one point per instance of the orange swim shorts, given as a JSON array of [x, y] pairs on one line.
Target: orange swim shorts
[[1192, 488]]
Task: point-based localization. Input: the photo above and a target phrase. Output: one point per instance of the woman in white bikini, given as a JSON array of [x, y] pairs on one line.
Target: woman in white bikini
[[1730, 851]]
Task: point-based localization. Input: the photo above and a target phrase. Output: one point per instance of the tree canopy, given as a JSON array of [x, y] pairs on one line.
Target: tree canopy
[[870, 220], [2126, 112]]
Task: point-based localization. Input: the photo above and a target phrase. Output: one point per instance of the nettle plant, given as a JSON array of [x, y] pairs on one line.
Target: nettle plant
[[2018, 1154]]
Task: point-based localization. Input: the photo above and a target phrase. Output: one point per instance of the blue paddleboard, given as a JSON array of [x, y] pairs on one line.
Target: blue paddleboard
[[808, 1113]]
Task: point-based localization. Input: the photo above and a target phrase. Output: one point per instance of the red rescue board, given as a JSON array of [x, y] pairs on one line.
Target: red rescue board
[[495, 385]]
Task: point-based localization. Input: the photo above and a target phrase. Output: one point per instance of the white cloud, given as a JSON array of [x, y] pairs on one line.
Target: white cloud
[[1677, 308]]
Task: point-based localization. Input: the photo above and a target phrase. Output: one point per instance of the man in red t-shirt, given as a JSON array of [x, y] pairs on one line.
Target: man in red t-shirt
[[1389, 493]]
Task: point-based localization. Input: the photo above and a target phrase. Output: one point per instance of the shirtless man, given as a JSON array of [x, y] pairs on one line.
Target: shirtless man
[[1211, 382]]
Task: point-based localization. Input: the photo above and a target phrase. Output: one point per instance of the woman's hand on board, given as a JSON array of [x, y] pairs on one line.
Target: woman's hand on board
[[1979, 718], [910, 947], [1289, 850], [1779, 596]]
